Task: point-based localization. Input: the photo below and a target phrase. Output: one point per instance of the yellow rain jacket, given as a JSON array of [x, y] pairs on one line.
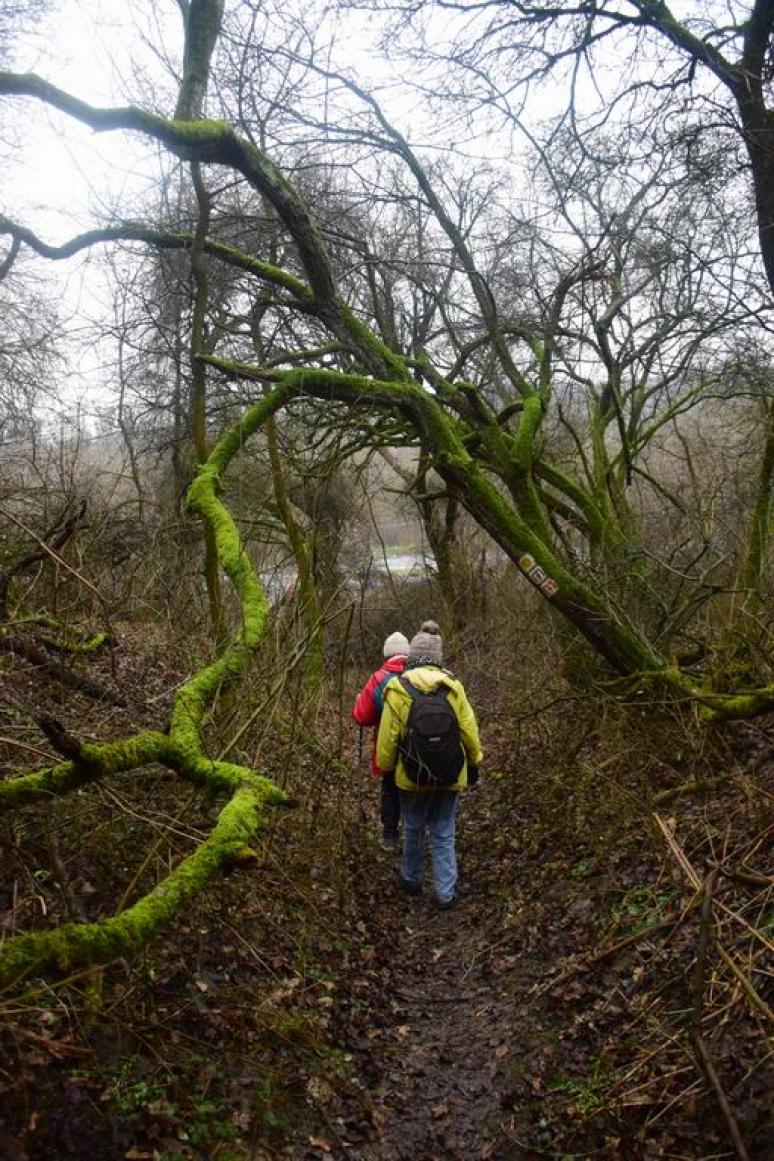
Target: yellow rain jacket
[[392, 727]]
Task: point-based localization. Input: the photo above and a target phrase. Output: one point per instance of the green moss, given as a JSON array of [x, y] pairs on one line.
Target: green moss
[[529, 424], [196, 696], [575, 492], [263, 270], [366, 338], [93, 643], [726, 707], [90, 645], [76, 945], [625, 651], [95, 761], [201, 132], [713, 706]]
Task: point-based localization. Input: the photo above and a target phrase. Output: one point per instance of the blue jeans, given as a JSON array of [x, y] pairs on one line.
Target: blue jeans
[[435, 811]]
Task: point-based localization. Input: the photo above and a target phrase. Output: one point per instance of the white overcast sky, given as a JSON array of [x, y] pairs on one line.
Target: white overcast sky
[[63, 177], [63, 171], [94, 49]]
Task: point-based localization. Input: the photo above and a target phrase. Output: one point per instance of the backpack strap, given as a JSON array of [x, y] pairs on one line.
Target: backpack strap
[[378, 694]]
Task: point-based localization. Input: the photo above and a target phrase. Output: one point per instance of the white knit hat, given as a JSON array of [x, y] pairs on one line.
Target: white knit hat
[[396, 643]]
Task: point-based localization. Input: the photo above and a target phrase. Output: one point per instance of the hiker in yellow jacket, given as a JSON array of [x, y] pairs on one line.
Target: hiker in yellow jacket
[[428, 803]]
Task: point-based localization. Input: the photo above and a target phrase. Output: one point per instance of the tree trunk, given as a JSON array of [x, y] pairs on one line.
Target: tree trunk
[[752, 575], [306, 592]]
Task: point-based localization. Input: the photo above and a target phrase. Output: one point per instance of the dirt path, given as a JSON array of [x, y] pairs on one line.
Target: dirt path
[[440, 1033], [442, 1054], [542, 1016]]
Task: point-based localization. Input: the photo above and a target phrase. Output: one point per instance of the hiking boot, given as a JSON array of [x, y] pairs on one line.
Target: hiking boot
[[447, 904], [409, 888], [390, 842]]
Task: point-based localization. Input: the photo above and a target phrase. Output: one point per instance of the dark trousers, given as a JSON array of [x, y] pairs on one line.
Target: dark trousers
[[390, 805]]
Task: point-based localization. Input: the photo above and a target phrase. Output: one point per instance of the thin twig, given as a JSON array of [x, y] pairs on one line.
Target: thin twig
[[709, 1071], [690, 874], [54, 555], [702, 946], [749, 990]]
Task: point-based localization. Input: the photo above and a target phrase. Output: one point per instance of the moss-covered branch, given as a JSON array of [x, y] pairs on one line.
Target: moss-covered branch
[[161, 240], [95, 760], [85, 648], [577, 494], [197, 409], [195, 697], [726, 707], [207, 141], [77, 945], [712, 707], [217, 142]]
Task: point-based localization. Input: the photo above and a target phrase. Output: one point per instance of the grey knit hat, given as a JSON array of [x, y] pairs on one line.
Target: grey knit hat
[[395, 644], [427, 647]]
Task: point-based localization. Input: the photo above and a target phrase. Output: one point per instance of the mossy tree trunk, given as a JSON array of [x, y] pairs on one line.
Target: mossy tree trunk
[[198, 407], [202, 20]]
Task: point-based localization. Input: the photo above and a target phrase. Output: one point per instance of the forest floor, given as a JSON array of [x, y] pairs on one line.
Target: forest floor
[[547, 1015], [308, 1009]]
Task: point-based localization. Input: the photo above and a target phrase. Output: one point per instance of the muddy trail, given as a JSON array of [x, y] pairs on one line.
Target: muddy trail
[[542, 1017], [443, 1047], [440, 1010]]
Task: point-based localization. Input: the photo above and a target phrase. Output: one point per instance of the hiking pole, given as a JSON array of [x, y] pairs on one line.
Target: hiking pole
[[360, 746]]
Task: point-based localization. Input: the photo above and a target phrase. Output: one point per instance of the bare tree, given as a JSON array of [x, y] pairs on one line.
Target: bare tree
[[455, 360], [440, 406]]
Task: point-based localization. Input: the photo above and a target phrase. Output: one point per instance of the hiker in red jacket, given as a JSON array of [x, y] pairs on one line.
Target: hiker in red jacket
[[367, 711]]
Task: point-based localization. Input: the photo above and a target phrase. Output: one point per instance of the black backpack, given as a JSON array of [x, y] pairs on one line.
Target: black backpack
[[431, 748]]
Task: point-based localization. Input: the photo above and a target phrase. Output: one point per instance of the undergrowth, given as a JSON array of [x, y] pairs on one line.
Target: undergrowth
[[258, 1025]]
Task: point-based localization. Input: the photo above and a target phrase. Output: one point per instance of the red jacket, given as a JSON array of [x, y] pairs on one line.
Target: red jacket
[[367, 709]]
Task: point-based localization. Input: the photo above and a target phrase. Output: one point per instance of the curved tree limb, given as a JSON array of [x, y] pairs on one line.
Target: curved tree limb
[[181, 750], [75, 945], [217, 143], [161, 240]]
